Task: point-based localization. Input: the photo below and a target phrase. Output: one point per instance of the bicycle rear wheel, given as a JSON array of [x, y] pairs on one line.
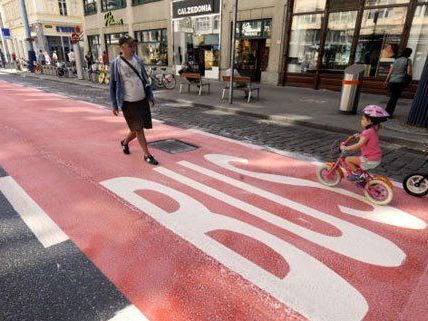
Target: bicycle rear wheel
[[378, 192]]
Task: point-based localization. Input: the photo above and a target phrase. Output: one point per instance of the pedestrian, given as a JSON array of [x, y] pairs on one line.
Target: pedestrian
[[104, 58], [54, 58], [89, 58], [130, 91], [2, 59], [47, 58], [41, 58], [399, 77], [72, 58], [368, 143]]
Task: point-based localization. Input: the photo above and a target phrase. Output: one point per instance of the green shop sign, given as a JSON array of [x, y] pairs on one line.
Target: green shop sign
[[109, 20]]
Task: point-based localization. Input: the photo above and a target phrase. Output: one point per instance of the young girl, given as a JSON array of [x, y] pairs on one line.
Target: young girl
[[371, 153]]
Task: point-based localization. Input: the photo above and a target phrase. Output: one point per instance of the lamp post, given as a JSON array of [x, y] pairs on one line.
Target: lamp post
[[232, 51], [28, 39]]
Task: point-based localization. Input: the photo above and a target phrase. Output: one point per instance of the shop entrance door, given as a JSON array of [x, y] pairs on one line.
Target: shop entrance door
[[252, 57]]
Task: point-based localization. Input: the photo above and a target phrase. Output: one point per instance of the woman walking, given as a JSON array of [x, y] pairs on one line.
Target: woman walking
[[399, 77]]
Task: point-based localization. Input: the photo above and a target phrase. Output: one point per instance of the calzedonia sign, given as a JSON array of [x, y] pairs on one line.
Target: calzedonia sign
[[189, 8]]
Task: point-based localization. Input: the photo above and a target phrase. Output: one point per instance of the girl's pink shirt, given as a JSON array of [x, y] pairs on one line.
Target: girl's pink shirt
[[371, 149]]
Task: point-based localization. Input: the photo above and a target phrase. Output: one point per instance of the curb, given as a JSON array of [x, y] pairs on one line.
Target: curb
[[281, 119]]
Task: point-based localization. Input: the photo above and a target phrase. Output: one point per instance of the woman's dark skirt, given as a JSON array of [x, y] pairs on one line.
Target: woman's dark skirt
[[137, 115]]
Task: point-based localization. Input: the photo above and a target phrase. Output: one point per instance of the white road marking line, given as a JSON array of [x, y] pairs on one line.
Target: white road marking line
[[46, 231], [130, 313]]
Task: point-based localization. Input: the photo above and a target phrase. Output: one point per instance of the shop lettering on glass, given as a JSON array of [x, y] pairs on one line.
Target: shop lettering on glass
[[333, 298], [195, 8]]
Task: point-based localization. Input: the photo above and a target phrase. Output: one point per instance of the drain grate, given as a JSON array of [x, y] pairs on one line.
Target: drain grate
[[173, 146]]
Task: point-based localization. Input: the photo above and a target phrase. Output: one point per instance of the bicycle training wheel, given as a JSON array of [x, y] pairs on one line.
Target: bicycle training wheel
[[327, 176], [416, 185], [378, 192]]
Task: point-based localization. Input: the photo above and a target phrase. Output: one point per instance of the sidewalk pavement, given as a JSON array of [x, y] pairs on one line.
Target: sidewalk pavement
[[300, 106]]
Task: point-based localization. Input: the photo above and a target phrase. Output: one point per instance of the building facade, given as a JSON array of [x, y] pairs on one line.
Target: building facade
[[51, 21], [170, 33], [326, 36], [296, 42]]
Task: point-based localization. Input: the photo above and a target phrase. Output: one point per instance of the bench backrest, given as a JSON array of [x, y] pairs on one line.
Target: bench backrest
[[191, 75], [240, 79]]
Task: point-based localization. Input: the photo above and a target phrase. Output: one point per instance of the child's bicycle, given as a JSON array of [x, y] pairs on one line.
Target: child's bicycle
[[416, 184], [377, 189]]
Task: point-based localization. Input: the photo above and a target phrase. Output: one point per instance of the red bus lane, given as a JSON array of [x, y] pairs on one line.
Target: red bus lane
[[224, 232]]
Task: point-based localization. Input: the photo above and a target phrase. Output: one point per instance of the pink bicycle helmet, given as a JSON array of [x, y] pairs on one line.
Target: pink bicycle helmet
[[375, 111]]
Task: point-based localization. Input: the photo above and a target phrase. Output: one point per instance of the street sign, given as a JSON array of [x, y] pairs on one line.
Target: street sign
[[75, 37], [6, 33], [77, 29]]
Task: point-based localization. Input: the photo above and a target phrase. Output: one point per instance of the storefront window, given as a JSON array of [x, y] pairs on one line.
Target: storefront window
[[418, 40], [372, 3], [308, 5], [338, 40], [304, 43], [89, 7], [137, 2], [380, 36], [112, 44], [153, 46], [197, 41], [252, 47], [94, 45], [112, 4]]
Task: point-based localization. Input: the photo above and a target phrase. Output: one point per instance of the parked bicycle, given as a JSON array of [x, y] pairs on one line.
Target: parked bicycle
[[38, 68], [60, 69], [416, 184], [377, 189], [161, 79]]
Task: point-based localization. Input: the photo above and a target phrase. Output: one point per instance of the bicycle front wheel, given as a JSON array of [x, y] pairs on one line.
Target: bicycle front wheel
[[416, 184], [169, 81], [327, 176]]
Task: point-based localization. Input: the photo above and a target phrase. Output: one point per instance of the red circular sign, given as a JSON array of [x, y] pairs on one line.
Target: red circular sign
[[77, 29]]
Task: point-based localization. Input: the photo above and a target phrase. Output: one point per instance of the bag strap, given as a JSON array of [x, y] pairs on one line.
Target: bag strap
[[135, 70]]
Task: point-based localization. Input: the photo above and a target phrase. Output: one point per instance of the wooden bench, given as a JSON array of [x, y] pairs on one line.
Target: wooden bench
[[193, 79], [241, 83]]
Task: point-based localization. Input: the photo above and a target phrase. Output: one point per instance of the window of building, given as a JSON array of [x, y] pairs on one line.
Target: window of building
[[304, 43], [308, 5], [153, 46], [112, 44], [107, 5], [379, 39], [373, 3], [137, 2], [197, 41], [94, 45], [338, 42], [62, 4], [89, 7], [418, 40]]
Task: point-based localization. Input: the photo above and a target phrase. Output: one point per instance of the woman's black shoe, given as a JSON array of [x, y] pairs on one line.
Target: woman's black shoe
[[151, 160], [125, 147]]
